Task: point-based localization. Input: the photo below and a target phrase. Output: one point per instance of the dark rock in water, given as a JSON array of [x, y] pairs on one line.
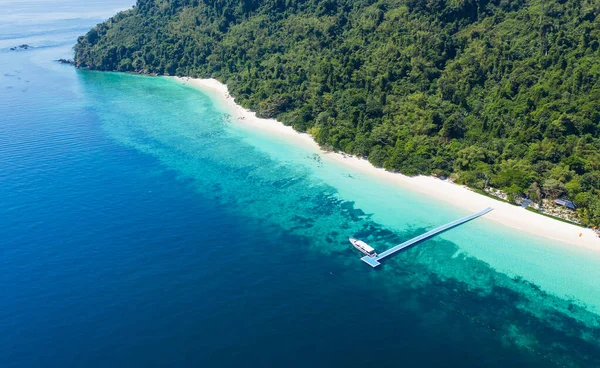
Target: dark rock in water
[[21, 47], [66, 61]]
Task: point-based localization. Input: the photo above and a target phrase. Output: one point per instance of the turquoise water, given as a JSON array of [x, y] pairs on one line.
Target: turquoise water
[[143, 227]]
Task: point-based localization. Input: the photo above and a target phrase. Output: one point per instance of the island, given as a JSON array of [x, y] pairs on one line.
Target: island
[[500, 96]]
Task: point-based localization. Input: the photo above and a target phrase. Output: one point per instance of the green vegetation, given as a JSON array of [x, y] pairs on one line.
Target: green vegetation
[[501, 93]]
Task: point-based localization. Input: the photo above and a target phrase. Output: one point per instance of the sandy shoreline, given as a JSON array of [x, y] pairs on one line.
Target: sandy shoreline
[[457, 195]]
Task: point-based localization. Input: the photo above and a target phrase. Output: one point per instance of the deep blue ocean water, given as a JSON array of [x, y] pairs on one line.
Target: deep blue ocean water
[[140, 228]]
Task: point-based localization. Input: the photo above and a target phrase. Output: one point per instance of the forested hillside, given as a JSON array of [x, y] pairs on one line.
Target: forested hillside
[[501, 93]]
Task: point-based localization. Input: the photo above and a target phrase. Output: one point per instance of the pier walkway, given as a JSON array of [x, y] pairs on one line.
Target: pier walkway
[[374, 261]]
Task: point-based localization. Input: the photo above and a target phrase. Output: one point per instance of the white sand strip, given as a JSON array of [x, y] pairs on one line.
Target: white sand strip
[[457, 195]]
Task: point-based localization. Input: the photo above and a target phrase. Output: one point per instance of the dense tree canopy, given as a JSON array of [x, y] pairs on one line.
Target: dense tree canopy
[[502, 93]]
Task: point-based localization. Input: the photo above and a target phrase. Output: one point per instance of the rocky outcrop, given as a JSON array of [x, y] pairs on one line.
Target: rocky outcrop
[[66, 61], [21, 47]]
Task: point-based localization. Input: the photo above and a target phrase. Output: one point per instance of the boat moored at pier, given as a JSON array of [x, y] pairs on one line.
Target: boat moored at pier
[[372, 259], [363, 247]]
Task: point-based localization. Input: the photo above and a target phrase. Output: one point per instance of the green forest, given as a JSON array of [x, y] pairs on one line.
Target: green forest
[[493, 93]]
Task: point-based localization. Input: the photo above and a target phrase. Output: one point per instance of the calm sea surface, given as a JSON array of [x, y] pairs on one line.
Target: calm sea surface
[[141, 227]]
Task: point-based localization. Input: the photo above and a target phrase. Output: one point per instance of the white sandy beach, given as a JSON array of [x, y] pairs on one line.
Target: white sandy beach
[[457, 195]]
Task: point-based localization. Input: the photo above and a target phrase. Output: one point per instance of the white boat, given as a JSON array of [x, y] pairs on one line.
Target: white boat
[[363, 247]]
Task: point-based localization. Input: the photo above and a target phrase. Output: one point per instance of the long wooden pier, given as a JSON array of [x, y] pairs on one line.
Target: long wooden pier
[[374, 261]]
